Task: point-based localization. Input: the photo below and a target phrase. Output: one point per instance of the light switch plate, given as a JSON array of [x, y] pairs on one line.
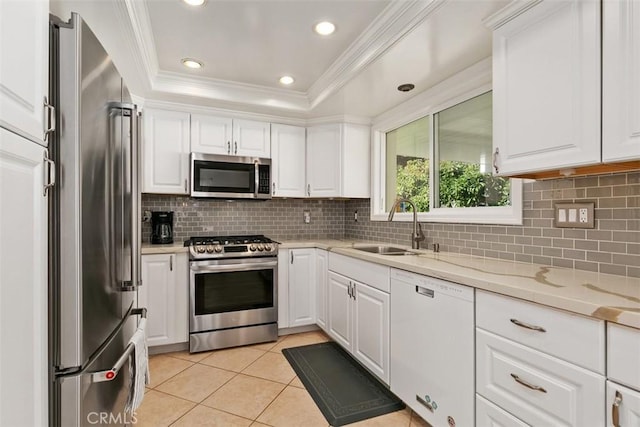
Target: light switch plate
[[574, 215]]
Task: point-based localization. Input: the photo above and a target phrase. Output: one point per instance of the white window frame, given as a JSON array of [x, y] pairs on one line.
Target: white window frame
[[461, 87]]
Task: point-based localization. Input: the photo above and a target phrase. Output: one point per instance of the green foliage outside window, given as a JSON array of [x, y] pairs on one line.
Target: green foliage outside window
[[461, 185]]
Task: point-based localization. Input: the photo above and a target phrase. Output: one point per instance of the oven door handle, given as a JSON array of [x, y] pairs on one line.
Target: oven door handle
[[199, 268]]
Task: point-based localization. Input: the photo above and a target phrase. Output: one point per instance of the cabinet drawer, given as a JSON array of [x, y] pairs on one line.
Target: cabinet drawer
[[576, 339], [369, 273], [623, 355], [488, 414], [539, 389]]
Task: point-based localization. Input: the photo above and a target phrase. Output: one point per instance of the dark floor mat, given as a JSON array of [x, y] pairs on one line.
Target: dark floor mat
[[344, 391]]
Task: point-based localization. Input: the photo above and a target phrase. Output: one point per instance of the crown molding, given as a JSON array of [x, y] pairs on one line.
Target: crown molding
[[126, 26], [242, 93], [508, 12], [339, 118], [393, 23], [141, 24], [222, 112]]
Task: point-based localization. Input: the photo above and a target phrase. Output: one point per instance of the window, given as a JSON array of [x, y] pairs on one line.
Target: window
[[443, 163]]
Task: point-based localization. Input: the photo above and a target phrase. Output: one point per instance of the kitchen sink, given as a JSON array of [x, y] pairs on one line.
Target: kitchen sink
[[384, 250]]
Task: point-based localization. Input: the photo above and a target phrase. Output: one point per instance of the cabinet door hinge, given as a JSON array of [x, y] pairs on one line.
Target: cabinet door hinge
[[49, 173]]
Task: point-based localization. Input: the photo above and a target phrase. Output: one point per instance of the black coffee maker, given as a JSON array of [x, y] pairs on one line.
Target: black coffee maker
[[161, 227]]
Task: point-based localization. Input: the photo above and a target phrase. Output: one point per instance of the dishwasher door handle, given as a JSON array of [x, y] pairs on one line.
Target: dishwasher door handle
[[425, 291]]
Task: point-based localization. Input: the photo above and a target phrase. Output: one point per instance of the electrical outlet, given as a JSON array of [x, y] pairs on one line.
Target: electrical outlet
[[355, 216], [574, 215], [306, 215]]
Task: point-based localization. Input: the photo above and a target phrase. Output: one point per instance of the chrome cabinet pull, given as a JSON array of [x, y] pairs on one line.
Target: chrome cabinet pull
[[353, 291], [186, 190], [426, 404], [49, 173], [308, 189], [49, 118], [528, 385], [274, 189], [615, 409], [528, 326], [291, 257], [228, 147], [236, 147], [495, 159], [171, 263]]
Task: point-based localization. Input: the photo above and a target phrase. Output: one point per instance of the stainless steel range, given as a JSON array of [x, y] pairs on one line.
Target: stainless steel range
[[233, 291]]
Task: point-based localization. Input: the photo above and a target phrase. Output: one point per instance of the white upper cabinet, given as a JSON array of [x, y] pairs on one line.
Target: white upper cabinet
[[251, 138], [621, 81], [546, 86], [234, 137], [211, 134], [288, 161], [338, 160], [165, 152], [24, 68]]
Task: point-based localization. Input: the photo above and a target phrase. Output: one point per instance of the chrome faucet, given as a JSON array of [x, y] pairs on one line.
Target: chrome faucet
[[416, 236]]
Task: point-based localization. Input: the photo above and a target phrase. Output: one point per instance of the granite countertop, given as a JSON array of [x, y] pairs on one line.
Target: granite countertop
[[602, 296], [171, 248]]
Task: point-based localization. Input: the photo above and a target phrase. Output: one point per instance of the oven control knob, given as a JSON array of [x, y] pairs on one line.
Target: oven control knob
[[210, 249], [268, 247], [252, 247], [200, 249], [217, 248], [260, 247]]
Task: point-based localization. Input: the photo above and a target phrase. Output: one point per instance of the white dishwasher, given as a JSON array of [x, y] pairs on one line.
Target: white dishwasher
[[432, 348]]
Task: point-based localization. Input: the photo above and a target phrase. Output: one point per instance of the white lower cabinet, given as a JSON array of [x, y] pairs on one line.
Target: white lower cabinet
[[165, 294], [339, 313], [302, 287], [296, 287], [535, 387], [490, 415], [322, 281], [358, 319], [623, 406]]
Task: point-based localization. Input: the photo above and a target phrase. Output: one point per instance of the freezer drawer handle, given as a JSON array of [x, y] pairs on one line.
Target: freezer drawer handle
[[110, 374], [615, 410], [528, 326], [526, 384]]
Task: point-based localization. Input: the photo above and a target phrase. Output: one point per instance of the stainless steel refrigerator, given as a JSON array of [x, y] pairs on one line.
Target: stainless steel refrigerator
[[95, 232]]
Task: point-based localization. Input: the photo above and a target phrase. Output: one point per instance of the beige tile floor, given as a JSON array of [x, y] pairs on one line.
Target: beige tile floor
[[243, 386]]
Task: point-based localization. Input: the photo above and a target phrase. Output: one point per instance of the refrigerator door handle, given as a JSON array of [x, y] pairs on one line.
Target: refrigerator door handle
[[126, 260], [111, 374]]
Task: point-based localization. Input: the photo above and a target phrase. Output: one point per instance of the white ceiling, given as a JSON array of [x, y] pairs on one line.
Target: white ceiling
[[257, 42], [247, 45]]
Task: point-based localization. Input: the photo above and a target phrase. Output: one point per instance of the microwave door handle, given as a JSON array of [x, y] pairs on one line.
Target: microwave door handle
[[257, 178]]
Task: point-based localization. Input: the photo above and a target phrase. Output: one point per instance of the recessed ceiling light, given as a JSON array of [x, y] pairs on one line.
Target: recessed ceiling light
[[192, 63], [194, 2], [324, 28], [286, 80], [406, 87]]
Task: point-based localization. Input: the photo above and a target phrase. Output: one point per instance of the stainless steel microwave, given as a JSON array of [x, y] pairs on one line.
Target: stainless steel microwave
[[230, 177]]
